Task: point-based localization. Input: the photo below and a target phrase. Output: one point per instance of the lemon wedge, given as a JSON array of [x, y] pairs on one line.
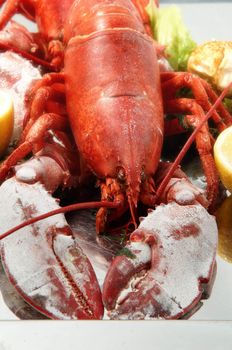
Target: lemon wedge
[[224, 222], [213, 62], [6, 120], [223, 157]]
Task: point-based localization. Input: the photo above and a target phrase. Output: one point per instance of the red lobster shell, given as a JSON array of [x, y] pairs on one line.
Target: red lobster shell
[[114, 103]]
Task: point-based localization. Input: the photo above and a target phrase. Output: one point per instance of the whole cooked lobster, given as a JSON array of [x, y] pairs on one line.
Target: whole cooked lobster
[[110, 93]]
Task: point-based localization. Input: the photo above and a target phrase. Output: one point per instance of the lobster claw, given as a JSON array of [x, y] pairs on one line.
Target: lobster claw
[[179, 244], [44, 261]]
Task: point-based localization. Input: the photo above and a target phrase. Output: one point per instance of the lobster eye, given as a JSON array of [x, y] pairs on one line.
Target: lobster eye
[[143, 176], [121, 174]]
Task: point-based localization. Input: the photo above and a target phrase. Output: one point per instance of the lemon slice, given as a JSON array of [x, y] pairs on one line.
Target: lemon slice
[[224, 222], [223, 157], [6, 120]]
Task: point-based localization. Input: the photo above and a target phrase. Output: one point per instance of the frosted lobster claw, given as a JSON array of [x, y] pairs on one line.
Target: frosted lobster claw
[[182, 262], [44, 261]]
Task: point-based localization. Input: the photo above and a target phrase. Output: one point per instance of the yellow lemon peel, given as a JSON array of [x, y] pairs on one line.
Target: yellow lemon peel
[[223, 157], [6, 120], [224, 222]]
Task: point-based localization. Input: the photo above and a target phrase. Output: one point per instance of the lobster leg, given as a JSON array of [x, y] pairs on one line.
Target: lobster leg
[[52, 50], [221, 108], [10, 9], [172, 82], [47, 80], [110, 191], [39, 104], [38, 123], [114, 191], [41, 99], [164, 279], [15, 35], [203, 142], [34, 140], [179, 189]]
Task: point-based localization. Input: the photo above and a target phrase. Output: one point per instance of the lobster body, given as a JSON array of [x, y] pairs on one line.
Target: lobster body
[[114, 105]]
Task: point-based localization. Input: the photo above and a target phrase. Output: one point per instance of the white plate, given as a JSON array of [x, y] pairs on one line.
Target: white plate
[[209, 328]]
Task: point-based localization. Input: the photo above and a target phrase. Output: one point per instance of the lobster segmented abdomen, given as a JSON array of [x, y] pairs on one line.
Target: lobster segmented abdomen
[[87, 17]]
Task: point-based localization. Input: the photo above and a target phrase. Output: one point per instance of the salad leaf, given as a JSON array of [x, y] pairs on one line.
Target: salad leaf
[[152, 11], [228, 104], [169, 30], [125, 251]]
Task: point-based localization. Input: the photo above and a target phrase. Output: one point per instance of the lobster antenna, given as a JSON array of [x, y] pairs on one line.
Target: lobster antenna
[[189, 142], [39, 61], [132, 211], [66, 209]]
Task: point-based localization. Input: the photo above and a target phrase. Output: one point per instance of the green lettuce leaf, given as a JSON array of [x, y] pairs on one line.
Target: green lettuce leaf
[[169, 30], [228, 104]]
